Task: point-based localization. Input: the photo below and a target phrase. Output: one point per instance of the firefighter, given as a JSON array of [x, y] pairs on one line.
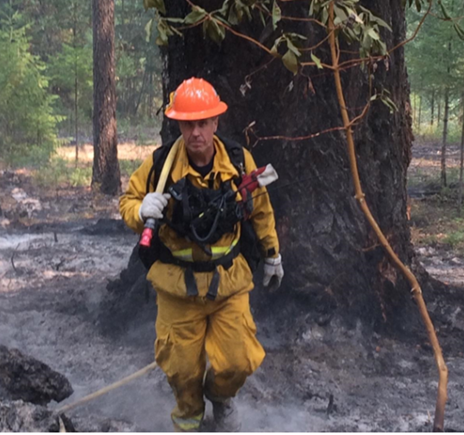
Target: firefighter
[[206, 342]]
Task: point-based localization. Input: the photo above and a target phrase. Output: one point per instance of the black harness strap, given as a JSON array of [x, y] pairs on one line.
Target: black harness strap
[[190, 282]]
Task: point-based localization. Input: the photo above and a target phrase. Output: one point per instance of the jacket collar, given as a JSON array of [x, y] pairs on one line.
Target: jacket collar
[[222, 164]]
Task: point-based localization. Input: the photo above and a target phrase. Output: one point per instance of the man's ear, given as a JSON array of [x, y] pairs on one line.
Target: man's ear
[[215, 123]]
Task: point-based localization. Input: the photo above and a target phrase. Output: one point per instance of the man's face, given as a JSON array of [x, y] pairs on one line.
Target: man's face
[[198, 135]]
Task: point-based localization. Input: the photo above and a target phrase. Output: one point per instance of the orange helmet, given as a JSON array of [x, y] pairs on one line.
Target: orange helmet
[[194, 99]]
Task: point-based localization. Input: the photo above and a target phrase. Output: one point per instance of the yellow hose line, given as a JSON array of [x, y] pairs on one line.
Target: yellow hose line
[[167, 167], [105, 390]]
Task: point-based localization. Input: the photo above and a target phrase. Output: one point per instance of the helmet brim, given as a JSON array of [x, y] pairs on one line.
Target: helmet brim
[[196, 116]]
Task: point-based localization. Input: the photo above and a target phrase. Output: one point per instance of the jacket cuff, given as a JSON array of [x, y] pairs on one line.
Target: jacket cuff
[[273, 261]]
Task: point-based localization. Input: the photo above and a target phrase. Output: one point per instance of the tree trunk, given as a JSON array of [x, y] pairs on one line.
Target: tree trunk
[[420, 116], [432, 109], [334, 264], [76, 83], [445, 137], [439, 111], [461, 164], [106, 175]]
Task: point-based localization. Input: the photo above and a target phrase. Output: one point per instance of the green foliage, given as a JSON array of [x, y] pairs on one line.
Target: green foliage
[[69, 68], [27, 118], [454, 239], [52, 173], [354, 22], [59, 171], [46, 50], [435, 60]]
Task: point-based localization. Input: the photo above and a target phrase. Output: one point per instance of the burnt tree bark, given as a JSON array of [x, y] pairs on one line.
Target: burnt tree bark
[[333, 261], [105, 175]]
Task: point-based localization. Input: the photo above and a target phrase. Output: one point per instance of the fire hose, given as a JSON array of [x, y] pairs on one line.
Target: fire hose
[[107, 389]]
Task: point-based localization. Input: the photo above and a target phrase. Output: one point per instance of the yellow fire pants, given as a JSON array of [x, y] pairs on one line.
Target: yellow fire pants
[[188, 330]]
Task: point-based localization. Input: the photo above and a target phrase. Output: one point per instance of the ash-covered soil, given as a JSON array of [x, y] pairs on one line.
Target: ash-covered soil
[[59, 253]]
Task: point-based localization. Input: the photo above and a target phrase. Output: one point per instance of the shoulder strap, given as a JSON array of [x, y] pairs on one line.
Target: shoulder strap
[[159, 157], [236, 155]]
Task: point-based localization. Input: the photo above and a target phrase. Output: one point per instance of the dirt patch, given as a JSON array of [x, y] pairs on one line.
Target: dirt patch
[[61, 250], [129, 150]]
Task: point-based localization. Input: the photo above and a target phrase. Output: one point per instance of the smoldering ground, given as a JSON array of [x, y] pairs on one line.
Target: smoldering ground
[[55, 306], [61, 302]]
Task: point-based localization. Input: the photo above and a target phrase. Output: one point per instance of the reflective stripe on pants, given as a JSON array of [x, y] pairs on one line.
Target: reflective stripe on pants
[[191, 424]]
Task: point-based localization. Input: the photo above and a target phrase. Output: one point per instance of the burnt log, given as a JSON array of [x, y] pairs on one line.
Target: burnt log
[[25, 378]]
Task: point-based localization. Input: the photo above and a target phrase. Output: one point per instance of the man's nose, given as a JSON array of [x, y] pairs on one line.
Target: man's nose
[[196, 130]]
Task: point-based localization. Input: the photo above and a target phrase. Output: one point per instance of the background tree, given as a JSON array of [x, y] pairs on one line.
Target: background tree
[[105, 174], [75, 56]]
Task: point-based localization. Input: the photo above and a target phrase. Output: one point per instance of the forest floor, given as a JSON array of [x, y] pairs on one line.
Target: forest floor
[[61, 246]]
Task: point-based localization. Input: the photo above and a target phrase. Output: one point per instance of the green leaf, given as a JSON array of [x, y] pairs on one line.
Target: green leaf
[[157, 4], [446, 15], [324, 16], [382, 23], [366, 42], [148, 30], [276, 14], [225, 8], [409, 3], [350, 35], [174, 20], [459, 30], [317, 61], [290, 61], [216, 32], [196, 15], [389, 103], [312, 8], [248, 13], [292, 47], [234, 16], [373, 34], [162, 38], [275, 47], [382, 47], [294, 36], [340, 14]]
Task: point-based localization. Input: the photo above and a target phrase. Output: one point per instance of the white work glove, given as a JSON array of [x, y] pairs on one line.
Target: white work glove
[[273, 268], [153, 205]]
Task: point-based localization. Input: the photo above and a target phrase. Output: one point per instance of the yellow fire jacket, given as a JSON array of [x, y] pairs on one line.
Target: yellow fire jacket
[[169, 278]]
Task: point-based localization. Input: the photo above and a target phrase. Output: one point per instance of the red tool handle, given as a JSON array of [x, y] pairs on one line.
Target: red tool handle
[[147, 234]]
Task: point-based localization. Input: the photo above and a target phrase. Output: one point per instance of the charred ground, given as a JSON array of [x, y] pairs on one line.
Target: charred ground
[[64, 301]]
